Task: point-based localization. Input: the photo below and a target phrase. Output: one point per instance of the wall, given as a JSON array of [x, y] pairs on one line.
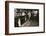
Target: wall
[[2, 18]]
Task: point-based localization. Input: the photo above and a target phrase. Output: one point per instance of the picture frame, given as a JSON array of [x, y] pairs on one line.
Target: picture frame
[[17, 5]]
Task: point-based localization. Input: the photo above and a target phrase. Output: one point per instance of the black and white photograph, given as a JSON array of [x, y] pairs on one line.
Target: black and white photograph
[[26, 17]]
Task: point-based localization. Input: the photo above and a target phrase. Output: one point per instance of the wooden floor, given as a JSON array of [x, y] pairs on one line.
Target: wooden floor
[[30, 23]]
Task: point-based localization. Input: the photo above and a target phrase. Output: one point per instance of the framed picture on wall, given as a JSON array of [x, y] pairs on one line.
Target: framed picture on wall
[[24, 17]]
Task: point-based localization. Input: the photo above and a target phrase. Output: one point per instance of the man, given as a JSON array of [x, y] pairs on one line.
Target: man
[[29, 15]]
